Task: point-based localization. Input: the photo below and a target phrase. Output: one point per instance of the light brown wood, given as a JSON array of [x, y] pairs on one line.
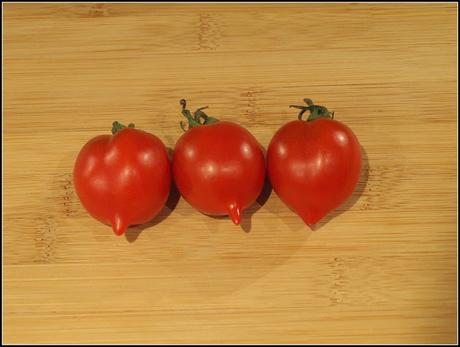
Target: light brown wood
[[380, 269]]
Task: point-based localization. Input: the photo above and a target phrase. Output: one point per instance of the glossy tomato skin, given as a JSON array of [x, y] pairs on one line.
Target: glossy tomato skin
[[314, 166], [123, 179], [219, 168]]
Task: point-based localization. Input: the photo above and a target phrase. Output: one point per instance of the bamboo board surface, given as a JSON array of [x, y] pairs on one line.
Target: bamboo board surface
[[380, 269]]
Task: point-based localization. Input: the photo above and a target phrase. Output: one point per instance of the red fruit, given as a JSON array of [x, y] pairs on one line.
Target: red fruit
[[314, 165], [123, 179], [219, 167]]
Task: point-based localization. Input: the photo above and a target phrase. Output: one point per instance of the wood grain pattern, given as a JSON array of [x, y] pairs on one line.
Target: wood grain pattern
[[380, 269]]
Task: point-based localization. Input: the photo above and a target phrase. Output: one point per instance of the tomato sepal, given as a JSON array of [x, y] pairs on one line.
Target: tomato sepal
[[197, 119], [117, 126], [316, 111]]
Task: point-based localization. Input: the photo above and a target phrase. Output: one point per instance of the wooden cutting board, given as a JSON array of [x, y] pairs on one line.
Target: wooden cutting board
[[380, 269]]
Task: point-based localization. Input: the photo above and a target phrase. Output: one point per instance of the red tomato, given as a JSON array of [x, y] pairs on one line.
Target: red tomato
[[314, 165], [219, 167], [123, 179]]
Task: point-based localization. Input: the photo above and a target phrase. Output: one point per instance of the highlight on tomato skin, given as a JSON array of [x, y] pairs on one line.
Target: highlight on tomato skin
[[123, 179], [314, 165], [218, 166]]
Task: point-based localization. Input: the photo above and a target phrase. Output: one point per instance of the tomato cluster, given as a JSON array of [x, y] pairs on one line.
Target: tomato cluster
[[219, 168]]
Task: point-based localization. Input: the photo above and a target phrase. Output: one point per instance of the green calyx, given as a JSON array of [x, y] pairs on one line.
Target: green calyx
[[116, 127], [316, 111], [198, 118]]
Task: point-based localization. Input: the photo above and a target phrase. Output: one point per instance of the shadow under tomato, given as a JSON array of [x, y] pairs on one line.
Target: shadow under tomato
[[246, 220], [360, 188], [133, 232]]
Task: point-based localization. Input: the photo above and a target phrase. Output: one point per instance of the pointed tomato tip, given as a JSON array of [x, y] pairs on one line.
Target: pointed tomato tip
[[118, 226], [119, 232], [234, 212], [310, 221]]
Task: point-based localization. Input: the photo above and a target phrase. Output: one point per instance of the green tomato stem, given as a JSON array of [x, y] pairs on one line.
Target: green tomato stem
[[116, 127], [316, 111], [198, 118]]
